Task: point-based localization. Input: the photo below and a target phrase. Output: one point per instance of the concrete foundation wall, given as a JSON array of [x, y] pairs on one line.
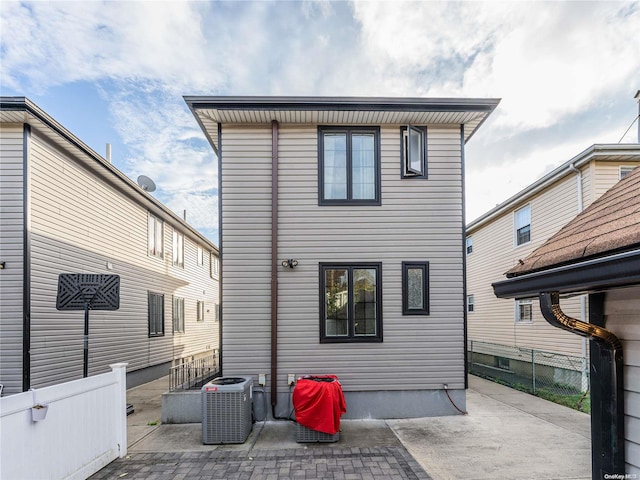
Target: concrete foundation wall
[[182, 407]]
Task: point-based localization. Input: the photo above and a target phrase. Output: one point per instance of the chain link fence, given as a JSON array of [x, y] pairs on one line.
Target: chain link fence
[[560, 378]]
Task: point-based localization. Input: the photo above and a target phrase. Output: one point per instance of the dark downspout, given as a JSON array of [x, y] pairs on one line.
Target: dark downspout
[[465, 320], [274, 266], [607, 392], [26, 259], [220, 275]]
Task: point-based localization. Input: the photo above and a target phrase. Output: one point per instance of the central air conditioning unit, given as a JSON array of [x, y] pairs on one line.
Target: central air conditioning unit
[[226, 410]]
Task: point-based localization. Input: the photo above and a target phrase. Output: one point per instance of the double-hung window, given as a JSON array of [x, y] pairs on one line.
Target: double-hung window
[[200, 258], [524, 311], [469, 245], [215, 266], [415, 288], [625, 170], [523, 225], [178, 315], [350, 302], [155, 302], [200, 311], [154, 236], [178, 249], [470, 303], [413, 153], [349, 165]]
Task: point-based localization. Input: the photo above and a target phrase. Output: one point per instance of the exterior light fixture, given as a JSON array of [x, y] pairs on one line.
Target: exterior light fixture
[[290, 263]]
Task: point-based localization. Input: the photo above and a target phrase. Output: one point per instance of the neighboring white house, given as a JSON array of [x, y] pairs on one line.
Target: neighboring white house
[[597, 254], [65, 209], [499, 239], [342, 244]]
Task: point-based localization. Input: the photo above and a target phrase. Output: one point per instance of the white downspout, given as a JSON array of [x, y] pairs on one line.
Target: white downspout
[[583, 297]]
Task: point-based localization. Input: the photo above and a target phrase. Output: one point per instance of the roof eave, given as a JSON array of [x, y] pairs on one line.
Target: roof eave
[[26, 105], [612, 271], [555, 175]]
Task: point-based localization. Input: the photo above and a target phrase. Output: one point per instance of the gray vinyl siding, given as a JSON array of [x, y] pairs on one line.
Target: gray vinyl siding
[[621, 311], [419, 220], [11, 252], [79, 224]]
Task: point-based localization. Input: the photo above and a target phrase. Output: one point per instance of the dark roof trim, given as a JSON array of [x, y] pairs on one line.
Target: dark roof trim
[[613, 271], [24, 104], [343, 103]]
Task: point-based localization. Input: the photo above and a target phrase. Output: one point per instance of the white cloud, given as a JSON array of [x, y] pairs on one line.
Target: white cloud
[[562, 69]]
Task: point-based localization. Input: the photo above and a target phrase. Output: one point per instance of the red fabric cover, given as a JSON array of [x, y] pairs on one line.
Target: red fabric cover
[[319, 405]]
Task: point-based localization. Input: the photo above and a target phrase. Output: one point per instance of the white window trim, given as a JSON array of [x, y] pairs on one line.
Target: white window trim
[[515, 226], [177, 250], [472, 303], [626, 168], [156, 221], [200, 311], [200, 256], [517, 311], [469, 243]]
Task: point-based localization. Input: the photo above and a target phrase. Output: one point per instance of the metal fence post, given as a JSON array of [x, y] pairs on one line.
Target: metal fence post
[[471, 358], [533, 370]]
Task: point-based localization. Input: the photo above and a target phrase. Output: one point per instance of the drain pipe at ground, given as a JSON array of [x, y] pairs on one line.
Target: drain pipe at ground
[[608, 369], [274, 267]]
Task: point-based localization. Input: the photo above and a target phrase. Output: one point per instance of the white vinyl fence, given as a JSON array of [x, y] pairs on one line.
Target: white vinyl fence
[[84, 428]]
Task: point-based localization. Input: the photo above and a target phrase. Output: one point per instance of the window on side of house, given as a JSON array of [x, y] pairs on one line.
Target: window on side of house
[[470, 303], [200, 310], [350, 302], [178, 315], [155, 236], [522, 219], [469, 245], [155, 303], [524, 310], [215, 266], [200, 255], [413, 154], [349, 165], [178, 249], [216, 312], [415, 288], [625, 170]]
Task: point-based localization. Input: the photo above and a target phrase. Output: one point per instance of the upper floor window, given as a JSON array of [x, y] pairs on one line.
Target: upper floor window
[[415, 288], [625, 170], [200, 311], [469, 245], [524, 311], [215, 266], [413, 153], [350, 302], [200, 255], [155, 236], [349, 165], [523, 225], [178, 248]]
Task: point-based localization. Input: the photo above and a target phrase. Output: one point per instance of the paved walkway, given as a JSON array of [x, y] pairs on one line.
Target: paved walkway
[[506, 435]]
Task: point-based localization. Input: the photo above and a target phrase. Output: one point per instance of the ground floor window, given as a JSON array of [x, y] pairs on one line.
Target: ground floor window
[[178, 315], [415, 288], [350, 302], [156, 314]]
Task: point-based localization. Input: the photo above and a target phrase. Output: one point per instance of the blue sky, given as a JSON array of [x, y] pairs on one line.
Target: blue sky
[[115, 72]]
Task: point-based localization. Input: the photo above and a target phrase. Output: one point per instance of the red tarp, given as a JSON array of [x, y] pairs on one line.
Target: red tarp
[[319, 403]]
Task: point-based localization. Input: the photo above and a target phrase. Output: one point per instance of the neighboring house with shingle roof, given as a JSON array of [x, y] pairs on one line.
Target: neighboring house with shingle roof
[[598, 254], [509, 233]]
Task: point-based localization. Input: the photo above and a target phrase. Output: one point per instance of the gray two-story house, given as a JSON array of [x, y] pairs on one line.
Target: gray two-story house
[[342, 245]]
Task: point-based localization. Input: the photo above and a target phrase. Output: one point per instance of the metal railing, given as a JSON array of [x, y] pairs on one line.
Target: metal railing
[[195, 373], [554, 376]]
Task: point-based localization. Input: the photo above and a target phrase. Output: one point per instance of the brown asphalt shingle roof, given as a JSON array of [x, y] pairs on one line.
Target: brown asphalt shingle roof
[[611, 223]]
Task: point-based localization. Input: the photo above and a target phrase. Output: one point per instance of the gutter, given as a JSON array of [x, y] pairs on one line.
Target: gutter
[[592, 153]]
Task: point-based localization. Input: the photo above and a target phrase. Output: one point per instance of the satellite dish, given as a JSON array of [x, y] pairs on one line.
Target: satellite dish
[[146, 183]]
